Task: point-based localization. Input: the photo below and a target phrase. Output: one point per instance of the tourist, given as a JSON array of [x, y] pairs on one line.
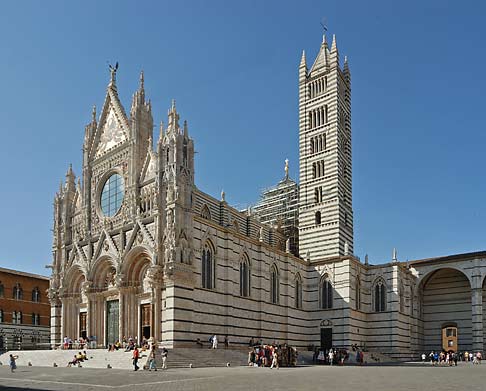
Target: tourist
[[74, 361], [215, 342], [423, 357], [479, 357], [135, 357], [331, 356], [274, 360], [13, 365], [226, 342], [164, 358], [152, 359], [251, 343]]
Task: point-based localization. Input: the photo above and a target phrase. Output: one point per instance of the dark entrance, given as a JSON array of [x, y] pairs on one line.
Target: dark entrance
[[112, 319], [326, 338], [146, 317], [82, 325]]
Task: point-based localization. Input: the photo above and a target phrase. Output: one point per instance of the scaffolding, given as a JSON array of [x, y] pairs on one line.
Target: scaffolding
[[279, 206]]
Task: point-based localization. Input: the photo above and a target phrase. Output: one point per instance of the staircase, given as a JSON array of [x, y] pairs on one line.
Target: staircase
[[202, 358], [97, 358]]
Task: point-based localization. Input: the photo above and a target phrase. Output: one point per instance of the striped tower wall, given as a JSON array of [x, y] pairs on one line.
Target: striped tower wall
[[325, 114]]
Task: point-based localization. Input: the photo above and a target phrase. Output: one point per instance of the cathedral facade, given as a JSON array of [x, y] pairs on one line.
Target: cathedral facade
[[140, 251]]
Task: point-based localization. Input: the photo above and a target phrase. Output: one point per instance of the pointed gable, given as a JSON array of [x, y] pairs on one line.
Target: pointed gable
[[322, 59], [149, 166], [113, 128]]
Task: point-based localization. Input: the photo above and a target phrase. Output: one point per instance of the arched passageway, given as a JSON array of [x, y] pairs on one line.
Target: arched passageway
[[445, 301]]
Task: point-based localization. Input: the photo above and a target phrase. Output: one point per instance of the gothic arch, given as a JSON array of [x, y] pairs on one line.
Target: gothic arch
[[102, 272], [379, 295], [135, 265], [205, 212], [73, 280]]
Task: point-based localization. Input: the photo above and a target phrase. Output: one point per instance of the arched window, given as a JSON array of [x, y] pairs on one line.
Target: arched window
[[326, 293], [245, 285], [17, 292], [1, 316], [17, 317], [2, 290], [274, 285], [318, 218], [298, 291], [358, 293], [312, 146], [36, 295], [380, 296], [207, 267]]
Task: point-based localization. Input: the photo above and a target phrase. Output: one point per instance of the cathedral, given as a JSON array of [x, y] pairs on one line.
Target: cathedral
[[139, 250]]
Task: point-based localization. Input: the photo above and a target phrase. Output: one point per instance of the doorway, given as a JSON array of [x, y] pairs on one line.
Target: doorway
[[449, 338], [112, 321], [326, 338], [146, 320], [82, 325]]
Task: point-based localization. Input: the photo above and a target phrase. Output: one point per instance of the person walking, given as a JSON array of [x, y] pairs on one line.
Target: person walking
[[274, 360], [331, 356], [13, 365], [164, 358], [152, 359], [135, 357], [215, 342]]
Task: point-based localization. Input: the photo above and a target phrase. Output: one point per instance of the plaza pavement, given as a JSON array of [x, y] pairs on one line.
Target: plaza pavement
[[353, 378]]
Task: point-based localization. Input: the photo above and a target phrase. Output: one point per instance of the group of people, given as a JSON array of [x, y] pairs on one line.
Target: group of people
[[81, 343], [78, 359], [272, 356], [151, 358], [264, 356], [213, 342], [451, 358], [335, 356]]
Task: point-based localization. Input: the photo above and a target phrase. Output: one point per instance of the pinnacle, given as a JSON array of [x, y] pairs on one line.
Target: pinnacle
[[303, 60], [334, 44], [141, 80]]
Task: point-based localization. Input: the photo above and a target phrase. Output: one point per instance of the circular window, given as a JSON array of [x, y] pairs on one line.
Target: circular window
[[112, 195]]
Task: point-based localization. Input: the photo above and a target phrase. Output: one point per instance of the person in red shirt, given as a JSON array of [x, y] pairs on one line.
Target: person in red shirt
[[135, 356]]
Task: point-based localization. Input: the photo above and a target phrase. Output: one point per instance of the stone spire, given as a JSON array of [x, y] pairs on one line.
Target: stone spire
[[173, 118], [303, 62], [334, 55]]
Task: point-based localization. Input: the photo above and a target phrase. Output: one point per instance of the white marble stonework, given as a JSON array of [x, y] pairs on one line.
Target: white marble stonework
[[139, 250]]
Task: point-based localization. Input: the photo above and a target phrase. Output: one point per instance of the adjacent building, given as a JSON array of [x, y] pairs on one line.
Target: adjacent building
[[24, 310], [139, 250]]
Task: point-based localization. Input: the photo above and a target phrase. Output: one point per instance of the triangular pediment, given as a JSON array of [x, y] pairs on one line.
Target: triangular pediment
[[113, 129], [111, 134], [149, 166]]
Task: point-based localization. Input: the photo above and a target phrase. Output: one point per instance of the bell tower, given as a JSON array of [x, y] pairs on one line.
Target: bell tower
[[325, 213]]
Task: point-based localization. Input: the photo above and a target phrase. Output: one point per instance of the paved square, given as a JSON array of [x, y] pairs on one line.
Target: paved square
[[372, 378]]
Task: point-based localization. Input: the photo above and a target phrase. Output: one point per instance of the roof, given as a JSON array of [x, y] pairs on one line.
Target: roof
[[453, 257], [24, 274]]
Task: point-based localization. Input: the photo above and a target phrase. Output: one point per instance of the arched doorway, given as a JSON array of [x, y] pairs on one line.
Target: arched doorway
[[73, 300], [137, 301], [446, 301]]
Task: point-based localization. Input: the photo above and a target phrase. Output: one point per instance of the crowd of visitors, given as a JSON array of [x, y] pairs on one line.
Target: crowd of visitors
[[451, 358], [272, 356], [334, 356]]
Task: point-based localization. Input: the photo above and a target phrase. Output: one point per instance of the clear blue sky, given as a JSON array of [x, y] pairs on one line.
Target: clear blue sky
[[418, 120]]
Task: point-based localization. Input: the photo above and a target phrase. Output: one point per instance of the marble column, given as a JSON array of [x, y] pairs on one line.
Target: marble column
[[157, 315]]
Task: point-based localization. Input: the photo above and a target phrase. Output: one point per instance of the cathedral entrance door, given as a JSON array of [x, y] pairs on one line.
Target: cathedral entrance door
[[82, 324], [112, 321], [326, 338], [146, 318]]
